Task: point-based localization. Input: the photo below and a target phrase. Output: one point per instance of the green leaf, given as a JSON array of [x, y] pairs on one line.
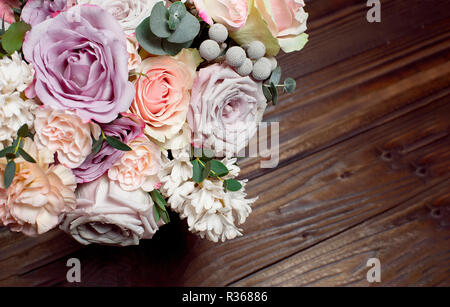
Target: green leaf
[[173, 22], [7, 150], [165, 216], [232, 185], [23, 131], [13, 38], [26, 156], [197, 174], [158, 199], [173, 49], [276, 76], [206, 169], [289, 85], [268, 93], [97, 146], [149, 41], [219, 168], [117, 144], [10, 172], [156, 212], [177, 9], [274, 92], [159, 20], [187, 30]]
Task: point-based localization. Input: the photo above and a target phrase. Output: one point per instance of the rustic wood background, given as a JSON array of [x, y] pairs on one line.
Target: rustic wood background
[[364, 172]]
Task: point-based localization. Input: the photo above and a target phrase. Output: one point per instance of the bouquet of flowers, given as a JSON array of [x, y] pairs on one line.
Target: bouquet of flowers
[[111, 112]]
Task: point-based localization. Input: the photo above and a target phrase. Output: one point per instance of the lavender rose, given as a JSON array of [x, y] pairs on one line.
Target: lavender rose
[[81, 64], [106, 214], [126, 129], [225, 109], [36, 11]]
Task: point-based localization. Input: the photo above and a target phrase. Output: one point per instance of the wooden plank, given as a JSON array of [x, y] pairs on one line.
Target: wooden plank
[[353, 76], [300, 205], [412, 242], [315, 198]]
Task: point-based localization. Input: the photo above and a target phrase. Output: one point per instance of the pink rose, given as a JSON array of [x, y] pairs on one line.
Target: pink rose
[[64, 133], [231, 13], [6, 7], [106, 214], [38, 195], [225, 109], [163, 94], [138, 168]]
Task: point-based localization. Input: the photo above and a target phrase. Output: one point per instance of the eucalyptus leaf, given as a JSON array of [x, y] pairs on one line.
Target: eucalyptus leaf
[[149, 41], [26, 156], [173, 49], [158, 199], [197, 174], [274, 91], [232, 185], [267, 93], [156, 212], [10, 172], [206, 170], [187, 30], [276, 76], [173, 22], [97, 146], [219, 168], [289, 85], [159, 20], [5, 151], [177, 9], [117, 144], [23, 131]]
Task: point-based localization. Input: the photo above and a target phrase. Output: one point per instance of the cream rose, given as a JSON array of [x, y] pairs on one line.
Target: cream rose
[[39, 194], [163, 92], [277, 23], [138, 168], [64, 133], [106, 214], [129, 13], [231, 13]]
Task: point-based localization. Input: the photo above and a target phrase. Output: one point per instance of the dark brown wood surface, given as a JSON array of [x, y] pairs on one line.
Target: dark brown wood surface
[[364, 172]]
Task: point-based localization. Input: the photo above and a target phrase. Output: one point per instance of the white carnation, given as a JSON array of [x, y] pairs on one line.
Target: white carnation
[[210, 211], [15, 74], [14, 112], [129, 13]]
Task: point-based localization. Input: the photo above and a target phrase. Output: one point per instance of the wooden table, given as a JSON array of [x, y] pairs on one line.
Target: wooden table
[[363, 173]]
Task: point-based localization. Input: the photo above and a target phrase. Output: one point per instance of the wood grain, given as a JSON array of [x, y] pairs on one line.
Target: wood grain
[[364, 153]]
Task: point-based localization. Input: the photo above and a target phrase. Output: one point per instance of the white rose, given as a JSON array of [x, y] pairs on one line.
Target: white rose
[[14, 112], [15, 74], [106, 214], [129, 13]]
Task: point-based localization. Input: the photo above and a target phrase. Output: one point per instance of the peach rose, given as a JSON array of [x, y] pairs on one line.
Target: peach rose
[[64, 133], [230, 13], [138, 168], [38, 195], [163, 92], [277, 23]]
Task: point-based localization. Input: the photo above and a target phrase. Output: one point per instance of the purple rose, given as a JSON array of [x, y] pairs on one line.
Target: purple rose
[[81, 63], [126, 129], [36, 11]]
